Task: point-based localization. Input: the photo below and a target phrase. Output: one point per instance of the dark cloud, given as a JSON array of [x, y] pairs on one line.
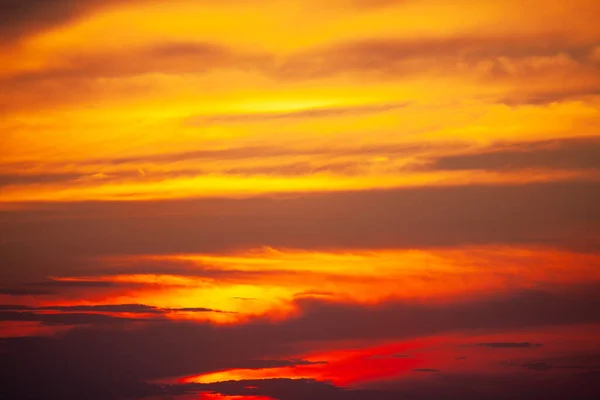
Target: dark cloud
[[23, 16], [19, 18], [482, 386], [509, 345], [588, 363], [395, 58], [55, 287], [23, 179], [324, 320], [54, 240], [583, 153], [63, 318], [582, 367], [293, 389], [33, 312], [15, 307], [542, 98], [539, 366], [24, 291], [61, 284], [438, 387], [113, 356]]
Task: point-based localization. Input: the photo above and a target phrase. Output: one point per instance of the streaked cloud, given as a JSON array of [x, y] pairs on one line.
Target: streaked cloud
[[508, 345], [282, 200], [558, 154]]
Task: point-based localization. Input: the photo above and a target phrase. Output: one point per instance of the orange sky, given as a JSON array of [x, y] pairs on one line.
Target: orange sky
[[419, 168]]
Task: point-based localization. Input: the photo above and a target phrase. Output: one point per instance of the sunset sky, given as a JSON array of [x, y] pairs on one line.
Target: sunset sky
[[299, 199]]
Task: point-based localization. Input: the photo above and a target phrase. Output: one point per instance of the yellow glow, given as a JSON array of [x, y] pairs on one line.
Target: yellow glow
[[232, 186], [83, 98], [268, 281]]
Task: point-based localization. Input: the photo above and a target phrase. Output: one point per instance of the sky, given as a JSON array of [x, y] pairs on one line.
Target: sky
[[291, 200]]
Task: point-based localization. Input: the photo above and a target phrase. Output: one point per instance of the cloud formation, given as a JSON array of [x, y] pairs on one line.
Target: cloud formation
[[397, 199], [557, 154], [509, 345]]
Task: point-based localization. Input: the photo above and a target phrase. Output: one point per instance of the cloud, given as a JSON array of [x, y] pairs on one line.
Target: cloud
[[581, 153], [485, 386], [52, 287], [20, 18], [83, 76], [261, 152], [540, 366], [82, 178], [194, 309], [23, 291], [55, 287], [89, 314], [557, 365], [168, 58], [115, 355], [323, 320], [509, 345], [322, 112], [542, 98], [61, 284], [23, 179], [521, 60], [443, 388], [63, 318], [561, 215], [559, 154], [299, 168], [390, 58]]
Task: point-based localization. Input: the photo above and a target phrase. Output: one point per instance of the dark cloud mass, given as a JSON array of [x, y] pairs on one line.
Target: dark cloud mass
[[563, 154], [22, 179], [62, 318], [116, 356], [509, 345], [563, 215], [22, 17], [395, 58], [89, 314]]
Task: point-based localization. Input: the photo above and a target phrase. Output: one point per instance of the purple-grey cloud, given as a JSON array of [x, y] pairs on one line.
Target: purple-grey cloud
[[566, 154], [55, 240]]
